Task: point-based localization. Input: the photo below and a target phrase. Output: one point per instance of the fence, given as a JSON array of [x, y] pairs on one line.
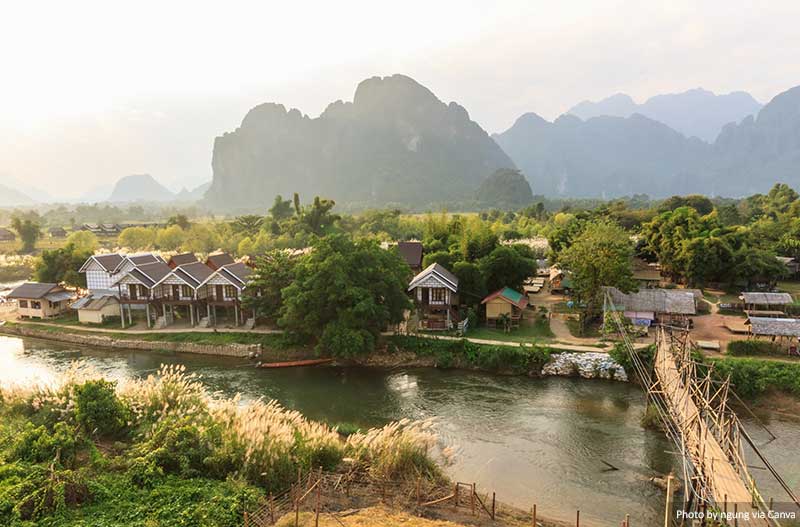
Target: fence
[[332, 495]]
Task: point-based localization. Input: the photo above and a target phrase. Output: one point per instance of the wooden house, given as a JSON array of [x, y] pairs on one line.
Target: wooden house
[[103, 270], [411, 253], [435, 292], [560, 281], [505, 303], [7, 235], [141, 287], [96, 308], [40, 300], [57, 232], [224, 289]]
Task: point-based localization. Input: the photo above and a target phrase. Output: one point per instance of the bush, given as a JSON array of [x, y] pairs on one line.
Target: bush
[[176, 447], [38, 445], [753, 347], [144, 473], [98, 409], [754, 377], [33, 492], [620, 355]]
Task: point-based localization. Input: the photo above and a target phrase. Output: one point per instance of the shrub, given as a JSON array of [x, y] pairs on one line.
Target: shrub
[[38, 445], [754, 377], [39, 492], [175, 447], [98, 409], [397, 451], [144, 473], [752, 347]]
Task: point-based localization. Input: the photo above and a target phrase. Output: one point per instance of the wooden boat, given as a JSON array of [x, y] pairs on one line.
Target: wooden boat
[[293, 363]]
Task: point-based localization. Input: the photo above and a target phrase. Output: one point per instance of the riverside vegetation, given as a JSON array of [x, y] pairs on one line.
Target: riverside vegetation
[[161, 451]]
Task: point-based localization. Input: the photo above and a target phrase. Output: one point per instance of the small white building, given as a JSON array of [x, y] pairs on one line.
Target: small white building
[[96, 307], [40, 300]]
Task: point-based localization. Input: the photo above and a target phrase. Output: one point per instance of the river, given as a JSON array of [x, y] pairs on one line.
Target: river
[[530, 440]]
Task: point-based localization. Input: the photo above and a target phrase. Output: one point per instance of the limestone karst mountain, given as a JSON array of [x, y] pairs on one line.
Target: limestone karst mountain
[[396, 142]]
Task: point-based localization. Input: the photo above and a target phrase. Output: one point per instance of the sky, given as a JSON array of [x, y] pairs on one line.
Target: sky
[[94, 90]]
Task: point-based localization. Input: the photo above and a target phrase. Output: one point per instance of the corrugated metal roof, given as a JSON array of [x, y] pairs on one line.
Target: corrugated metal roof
[[58, 296], [510, 296], [775, 327], [767, 299]]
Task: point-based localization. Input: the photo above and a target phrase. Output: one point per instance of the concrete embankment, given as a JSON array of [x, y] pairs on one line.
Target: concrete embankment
[[103, 341]]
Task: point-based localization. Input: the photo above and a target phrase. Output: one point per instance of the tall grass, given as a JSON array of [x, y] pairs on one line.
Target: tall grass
[[176, 427]]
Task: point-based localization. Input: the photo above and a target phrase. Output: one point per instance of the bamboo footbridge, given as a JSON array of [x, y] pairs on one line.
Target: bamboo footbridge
[[695, 414]]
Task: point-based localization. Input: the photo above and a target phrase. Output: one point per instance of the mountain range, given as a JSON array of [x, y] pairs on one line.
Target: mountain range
[[11, 197], [396, 142], [694, 113], [139, 187], [612, 156]]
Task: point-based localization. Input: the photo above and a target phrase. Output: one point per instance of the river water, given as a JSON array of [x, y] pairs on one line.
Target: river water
[[531, 440]]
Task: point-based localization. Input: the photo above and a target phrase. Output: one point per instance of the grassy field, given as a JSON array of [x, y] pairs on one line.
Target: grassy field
[[529, 330], [46, 242]]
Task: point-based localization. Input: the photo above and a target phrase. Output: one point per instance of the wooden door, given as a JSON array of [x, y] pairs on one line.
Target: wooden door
[[218, 293]]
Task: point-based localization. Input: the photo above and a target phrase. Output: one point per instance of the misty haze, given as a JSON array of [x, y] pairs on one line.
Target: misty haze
[[419, 264]]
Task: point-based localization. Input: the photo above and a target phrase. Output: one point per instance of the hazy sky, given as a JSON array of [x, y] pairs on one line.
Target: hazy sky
[[95, 90]]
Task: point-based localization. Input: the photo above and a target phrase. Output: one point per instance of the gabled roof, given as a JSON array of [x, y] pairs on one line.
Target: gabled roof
[[215, 261], [236, 273], [768, 299], [411, 252], [109, 262], [149, 274], [146, 258], [437, 271], [35, 290], [181, 259], [195, 274], [509, 295], [775, 327]]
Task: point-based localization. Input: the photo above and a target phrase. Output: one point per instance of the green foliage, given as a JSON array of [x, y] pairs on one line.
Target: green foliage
[[600, 256], [179, 220], [281, 209], [356, 287], [443, 258], [753, 347], [29, 230], [170, 238], [463, 353], [83, 241], [621, 356], [61, 265], [505, 188], [344, 341], [175, 446], [98, 409], [137, 238], [274, 271], [506, 267], [248, 224], [31, 493], [754, 377], [38, 445]]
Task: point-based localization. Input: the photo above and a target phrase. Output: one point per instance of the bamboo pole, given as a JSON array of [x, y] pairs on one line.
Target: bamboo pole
[[668, 508], [246, 519], [472, 500], [455, 496], [578, 518], [316, 516], [419, 490], [533, 513], [627, 520], [271, 508], [494, 496]]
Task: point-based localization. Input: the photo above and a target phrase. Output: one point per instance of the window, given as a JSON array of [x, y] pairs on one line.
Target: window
[[438, 295], [36, 305], [230, 291], [23, 303], [176, 291], [132, 291], [142, 291], [186, 291]]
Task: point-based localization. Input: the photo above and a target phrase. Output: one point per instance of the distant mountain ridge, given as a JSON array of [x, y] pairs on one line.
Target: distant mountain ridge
[[614, 156], [140, 187], [11, 197], [396, 142], [694, 113]]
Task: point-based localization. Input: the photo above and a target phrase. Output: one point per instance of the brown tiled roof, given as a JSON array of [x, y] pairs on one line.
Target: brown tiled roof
[[194, 273], [109, 262]]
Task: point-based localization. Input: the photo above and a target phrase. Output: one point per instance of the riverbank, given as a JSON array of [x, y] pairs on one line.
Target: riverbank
[[397, 351]]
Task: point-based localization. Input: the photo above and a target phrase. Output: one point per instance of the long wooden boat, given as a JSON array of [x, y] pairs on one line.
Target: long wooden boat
[[294, 363]]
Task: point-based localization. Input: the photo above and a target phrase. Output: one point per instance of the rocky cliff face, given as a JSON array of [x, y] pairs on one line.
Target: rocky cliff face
[[395, 143]]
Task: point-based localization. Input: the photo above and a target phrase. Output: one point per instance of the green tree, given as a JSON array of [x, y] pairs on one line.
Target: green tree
[[281, 209], [83, 241], [601, 256], [443, 258], [180, 220], [201, 239], [274, 271], [29, 231], [137, 238], [248, 225], [471, 284], [61, 266], [170, 238], [317, 217], [753, 266], [506, 267], [344, 293]]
